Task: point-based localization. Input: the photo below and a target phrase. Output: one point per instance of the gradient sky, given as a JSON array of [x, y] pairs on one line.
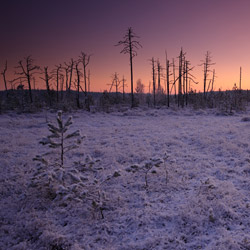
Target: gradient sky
[[55, 31]]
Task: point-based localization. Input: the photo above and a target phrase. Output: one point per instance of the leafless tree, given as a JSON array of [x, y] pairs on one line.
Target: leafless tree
[[153, 74], [57, 76], [85, 59], [130, 46], [3, 73], [47, 78], [159, 76], [115, 83], [78, 84], [181, 57], [174, 82], [70, 68], [207, 63], [26, 72], [167, 79], [66, 70], [210, 87]]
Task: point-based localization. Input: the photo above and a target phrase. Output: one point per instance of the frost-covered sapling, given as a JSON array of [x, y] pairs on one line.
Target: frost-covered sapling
[[145, 168], [58, 137]]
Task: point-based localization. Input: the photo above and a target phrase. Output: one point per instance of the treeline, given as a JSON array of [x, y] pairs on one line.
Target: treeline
[[68, 84]]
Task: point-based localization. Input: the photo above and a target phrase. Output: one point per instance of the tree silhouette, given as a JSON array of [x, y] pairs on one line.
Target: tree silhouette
[[3, 73], [57, 75], [153, 74], [47, 78], [207, 63], [167, 79], [78, 86], [26, 72], [85, 59], [130, 46], [70, 67]]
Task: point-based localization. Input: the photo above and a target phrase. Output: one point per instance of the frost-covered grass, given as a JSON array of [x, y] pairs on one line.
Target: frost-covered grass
[[198, 197]]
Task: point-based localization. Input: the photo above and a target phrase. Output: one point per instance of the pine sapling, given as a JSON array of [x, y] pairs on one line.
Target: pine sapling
[[58, 137]]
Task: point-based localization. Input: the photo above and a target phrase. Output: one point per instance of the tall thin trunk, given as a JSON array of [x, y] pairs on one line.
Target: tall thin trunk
[[167, 76], [29, 84], [78, 86], [131, 67], [180, 79], [153, 70], [159, 75], [175, 96], [186, 82]]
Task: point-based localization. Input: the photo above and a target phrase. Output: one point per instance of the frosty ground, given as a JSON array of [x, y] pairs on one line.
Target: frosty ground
[[197, 197]]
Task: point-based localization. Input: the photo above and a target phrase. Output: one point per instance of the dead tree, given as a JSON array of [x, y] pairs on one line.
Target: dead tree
[[70, 67], [78, 84], [159, 76], [61, 85], [180, 78], [85, 59], [207, 63], [57, 75], [115, 83], [3, 73], [47, 78], [130, 46], [66, 69], [210, 87], [153, 73], [174, 85], [186, 78], [167, 79], [26, 72]]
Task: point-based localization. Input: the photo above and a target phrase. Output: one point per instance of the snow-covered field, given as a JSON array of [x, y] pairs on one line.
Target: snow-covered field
[[197, 194]]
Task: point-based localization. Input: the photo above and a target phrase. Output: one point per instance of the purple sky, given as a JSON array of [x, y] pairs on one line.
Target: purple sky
[[55, 31]]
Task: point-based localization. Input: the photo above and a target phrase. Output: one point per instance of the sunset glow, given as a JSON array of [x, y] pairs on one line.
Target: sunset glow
[[53, 32]]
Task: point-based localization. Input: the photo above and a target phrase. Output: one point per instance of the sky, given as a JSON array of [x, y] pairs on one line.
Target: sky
[[53, 32]]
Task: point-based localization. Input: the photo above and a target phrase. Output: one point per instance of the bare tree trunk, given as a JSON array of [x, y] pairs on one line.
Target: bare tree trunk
[[29, 84], [62, 83], [46, 79], [153, 71], [175, 96], [4, 77], [180, 79], [131, 67], [58, 68], [167, 76], [186, 82], [159, 76], [78, 86], [70, 75], [130, 46]]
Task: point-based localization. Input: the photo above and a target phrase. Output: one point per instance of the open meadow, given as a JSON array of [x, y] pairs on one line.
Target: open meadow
[[141, 179]]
